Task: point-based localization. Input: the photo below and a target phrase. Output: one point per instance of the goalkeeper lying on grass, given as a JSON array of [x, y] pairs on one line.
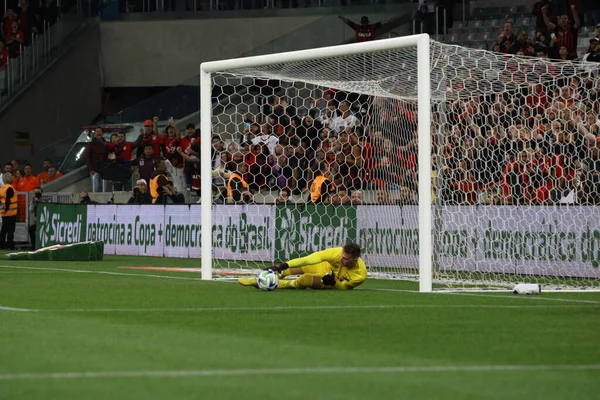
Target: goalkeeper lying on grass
[[335, 268]]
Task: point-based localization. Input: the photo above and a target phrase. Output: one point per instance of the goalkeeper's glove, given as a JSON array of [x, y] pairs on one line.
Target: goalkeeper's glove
[[278, 267], [328, 280]]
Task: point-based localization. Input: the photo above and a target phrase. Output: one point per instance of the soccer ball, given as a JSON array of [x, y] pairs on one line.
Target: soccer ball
[[268, 280]]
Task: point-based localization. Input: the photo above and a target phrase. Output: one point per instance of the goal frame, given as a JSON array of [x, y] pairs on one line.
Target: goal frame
[[422, 44]]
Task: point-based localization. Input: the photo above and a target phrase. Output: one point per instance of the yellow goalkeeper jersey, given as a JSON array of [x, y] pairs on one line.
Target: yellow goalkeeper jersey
[[346, 278]]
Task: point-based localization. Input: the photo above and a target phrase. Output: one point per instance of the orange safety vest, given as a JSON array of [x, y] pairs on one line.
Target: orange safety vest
[[12, 207], [315, 188], [154, 187], [229, 189]]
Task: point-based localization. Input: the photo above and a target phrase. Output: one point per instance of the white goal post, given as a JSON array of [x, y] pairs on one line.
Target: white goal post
[[420, 42]]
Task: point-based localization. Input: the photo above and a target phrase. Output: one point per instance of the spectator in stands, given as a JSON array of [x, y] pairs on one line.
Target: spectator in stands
[[345, 118], [84, 198], [150, 135], [174, 157], [146, 162], [96, 154], [507, 38], [521, 45], [29, 181], [383, 197], [16, 165], [47, 14], [284, 197], [407, 197], [340, 197], [47, 163], [7, 22], [540, 24], [16, 177], [51, 175], [565, 32], [124, 150], [27, 20], [364, 32], [237, 184], [8, 212], [593, 54], [15, 39], [266, 139], [140, 193], [35, 199], [169, 195], [4, 56], [356, 198]]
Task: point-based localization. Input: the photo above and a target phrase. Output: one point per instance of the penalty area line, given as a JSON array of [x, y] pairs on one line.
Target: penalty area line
[[295, 371]]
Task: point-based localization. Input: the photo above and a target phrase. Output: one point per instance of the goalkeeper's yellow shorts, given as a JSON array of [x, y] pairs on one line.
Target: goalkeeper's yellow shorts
[[322, 268]]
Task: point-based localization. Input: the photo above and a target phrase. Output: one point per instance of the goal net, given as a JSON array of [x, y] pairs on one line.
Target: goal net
[[493, 181]]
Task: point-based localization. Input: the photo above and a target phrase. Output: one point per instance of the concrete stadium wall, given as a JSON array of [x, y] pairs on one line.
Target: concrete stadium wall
[[65, 97], [166, 52], [163, 53]]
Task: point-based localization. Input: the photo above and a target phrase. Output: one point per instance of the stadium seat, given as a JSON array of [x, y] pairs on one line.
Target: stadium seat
[[583, 42], [485, 36], [596, 16], [523, 21], [480, 46], [492, 23], [460, 24], [453, 38], [587, 30], [524, 9], [588, 19], [478, 12], [456, 30], [476, 24], [470, 36]]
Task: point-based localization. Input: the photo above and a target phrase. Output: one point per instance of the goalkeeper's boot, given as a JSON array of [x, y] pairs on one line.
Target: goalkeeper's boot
[[248, 282]]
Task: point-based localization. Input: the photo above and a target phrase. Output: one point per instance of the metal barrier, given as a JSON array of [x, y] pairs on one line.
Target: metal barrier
[[437, 20], [415, 26]]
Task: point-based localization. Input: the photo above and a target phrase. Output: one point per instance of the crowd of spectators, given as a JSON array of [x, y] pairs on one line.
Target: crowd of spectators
[[165, 163], [555, 36], [19, 24]]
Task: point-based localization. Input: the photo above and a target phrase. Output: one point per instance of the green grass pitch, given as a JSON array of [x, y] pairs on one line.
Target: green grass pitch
[[95, 331]]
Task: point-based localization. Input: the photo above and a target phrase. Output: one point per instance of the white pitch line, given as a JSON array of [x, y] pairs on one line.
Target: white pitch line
[[296, 371], [484, 294], [3, 308], [528, 298], [297, 308], [102, 272]]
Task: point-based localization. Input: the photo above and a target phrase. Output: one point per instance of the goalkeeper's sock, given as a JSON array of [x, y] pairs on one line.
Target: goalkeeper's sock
[[286, 284]]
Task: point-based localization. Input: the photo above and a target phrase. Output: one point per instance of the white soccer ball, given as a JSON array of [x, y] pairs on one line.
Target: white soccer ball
[[268, 280]]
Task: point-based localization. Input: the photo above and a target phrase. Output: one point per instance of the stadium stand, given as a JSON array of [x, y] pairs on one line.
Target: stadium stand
[[538, 146]]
